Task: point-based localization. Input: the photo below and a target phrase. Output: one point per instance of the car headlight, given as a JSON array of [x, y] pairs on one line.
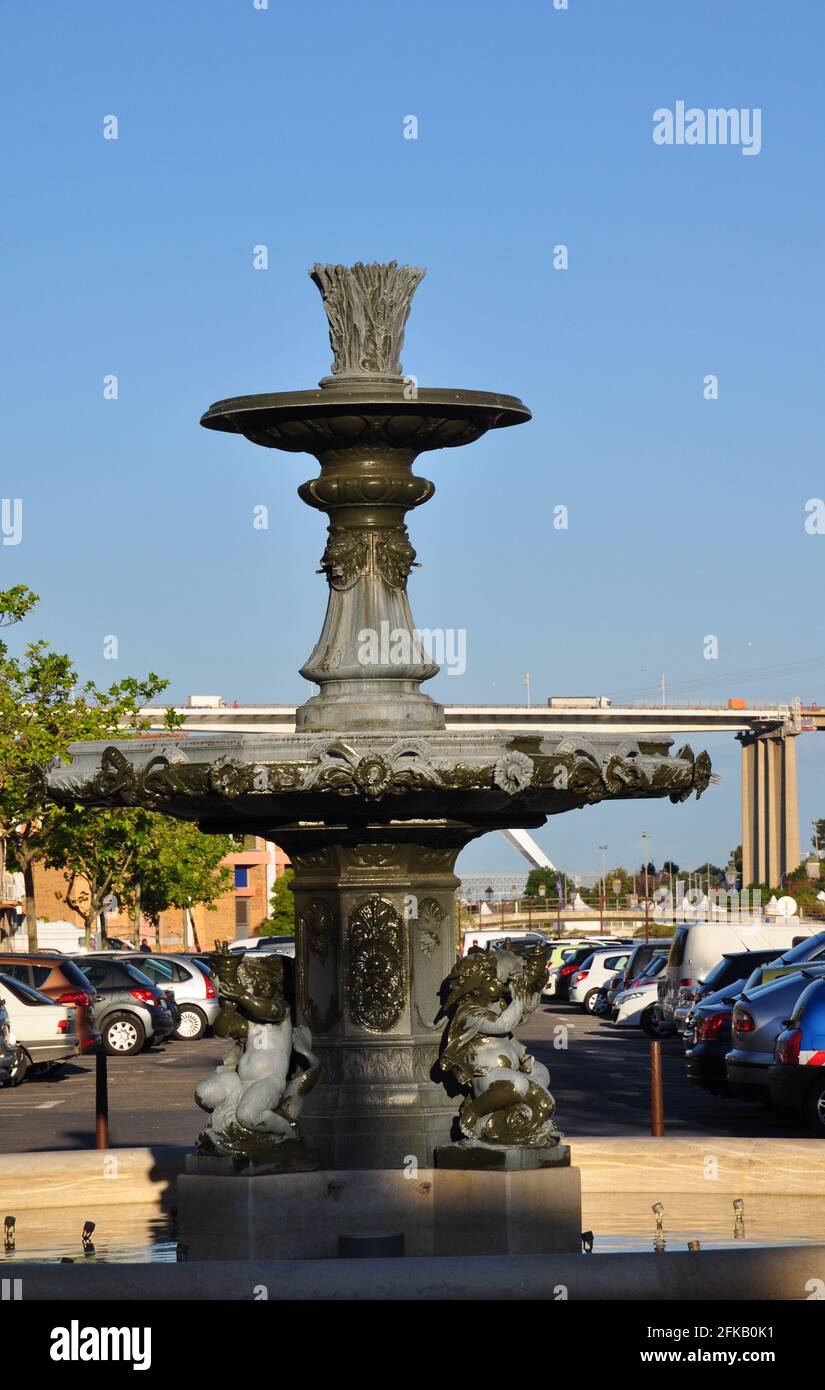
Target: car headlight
[[634, 994]]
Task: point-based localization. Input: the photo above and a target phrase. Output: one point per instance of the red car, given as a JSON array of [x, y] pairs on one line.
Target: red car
[[62, 981]]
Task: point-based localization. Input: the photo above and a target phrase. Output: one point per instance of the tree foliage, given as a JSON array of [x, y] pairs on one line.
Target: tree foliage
[[43, 710], [96, 850], [176, 865], [281, 920], [548, 877]]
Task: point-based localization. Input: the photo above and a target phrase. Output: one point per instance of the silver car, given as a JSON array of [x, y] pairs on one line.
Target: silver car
[[193, 985]]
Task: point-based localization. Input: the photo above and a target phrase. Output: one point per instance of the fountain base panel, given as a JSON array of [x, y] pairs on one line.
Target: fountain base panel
[[301, 1215]]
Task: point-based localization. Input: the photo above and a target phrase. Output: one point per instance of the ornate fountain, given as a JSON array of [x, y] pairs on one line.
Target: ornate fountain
[[372, 797]]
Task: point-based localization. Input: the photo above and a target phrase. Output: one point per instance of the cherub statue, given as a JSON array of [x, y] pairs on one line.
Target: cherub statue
[[254, 1097], [508, 1103]]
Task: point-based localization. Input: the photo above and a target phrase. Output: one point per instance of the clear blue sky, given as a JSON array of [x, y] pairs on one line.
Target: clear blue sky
[[284, 127]]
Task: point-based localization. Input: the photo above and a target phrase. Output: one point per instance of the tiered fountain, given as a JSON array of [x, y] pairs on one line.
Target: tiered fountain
[[371, 797]]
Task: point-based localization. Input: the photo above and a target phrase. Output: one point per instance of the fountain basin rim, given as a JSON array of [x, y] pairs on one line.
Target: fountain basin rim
[[231, 414]]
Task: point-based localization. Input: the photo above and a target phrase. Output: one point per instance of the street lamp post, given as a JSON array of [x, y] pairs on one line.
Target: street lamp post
[[730, 879], [542, 896], [603, 852], [645, 838]]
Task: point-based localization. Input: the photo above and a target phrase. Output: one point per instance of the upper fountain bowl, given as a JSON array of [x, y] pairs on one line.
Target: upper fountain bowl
[[371, 414]]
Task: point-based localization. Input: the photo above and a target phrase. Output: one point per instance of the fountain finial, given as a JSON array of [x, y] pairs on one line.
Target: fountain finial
[[367, 307]]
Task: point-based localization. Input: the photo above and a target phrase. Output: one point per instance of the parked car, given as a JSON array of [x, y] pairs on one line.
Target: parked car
[[63, 981], [797, 1077], [698, 946], [642, 952], [708, 1039], [734, 966], [190, 985], [274, 945], [559, 977], [261, 943], [43, 1032], [587, 986], [628, 1005], [487, 939], [7, 1045], [758, 1018], [563, 950], [809, 951], [132, 1012]]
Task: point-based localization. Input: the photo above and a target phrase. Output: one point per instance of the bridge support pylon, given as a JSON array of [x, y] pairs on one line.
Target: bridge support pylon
[[770, 807]]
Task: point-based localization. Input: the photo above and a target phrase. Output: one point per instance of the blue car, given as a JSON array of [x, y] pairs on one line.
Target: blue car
[[797, 1077]]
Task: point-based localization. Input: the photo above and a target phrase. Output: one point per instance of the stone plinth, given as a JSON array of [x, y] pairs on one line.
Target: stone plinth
[[439, 1211], [485, 1158]]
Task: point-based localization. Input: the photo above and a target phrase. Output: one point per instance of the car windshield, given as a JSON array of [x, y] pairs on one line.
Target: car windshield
[[24, 993], [654, 967], [203, 967]]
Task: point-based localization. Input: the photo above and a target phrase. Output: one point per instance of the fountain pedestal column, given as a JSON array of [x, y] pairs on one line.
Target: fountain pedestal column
[[376, 936]]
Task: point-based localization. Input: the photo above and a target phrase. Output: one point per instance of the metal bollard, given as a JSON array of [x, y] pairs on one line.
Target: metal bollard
[[101, 1102], [657, 1100]]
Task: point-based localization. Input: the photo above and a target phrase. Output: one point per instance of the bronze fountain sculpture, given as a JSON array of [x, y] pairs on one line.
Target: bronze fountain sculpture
[[254, 1097], [372, 797]]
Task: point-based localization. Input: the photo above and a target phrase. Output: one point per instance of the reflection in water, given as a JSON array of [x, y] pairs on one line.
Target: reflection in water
[[622, 1221], [135, 1235]]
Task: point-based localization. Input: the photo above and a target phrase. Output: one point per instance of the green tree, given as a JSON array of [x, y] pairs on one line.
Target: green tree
[[281, 921], [43, 709], [96, 850], [708, 870], [625, 879], [548, 877], [174, 865]]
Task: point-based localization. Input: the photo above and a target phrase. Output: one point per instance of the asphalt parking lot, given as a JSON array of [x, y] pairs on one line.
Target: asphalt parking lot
[[600, 1078], [150, 1100], [598, 1075]]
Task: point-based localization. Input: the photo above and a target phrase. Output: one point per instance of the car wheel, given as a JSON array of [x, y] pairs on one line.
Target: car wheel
[[123, 1035], [192, 1023], [652, 1023], [815, 1109], [593, 1002], [20, 1067]]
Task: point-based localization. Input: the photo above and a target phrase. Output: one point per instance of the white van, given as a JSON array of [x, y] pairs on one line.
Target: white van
[[65, 937], [698, 946]]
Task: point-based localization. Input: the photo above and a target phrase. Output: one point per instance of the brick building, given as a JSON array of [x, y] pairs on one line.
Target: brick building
[[255, 864]]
